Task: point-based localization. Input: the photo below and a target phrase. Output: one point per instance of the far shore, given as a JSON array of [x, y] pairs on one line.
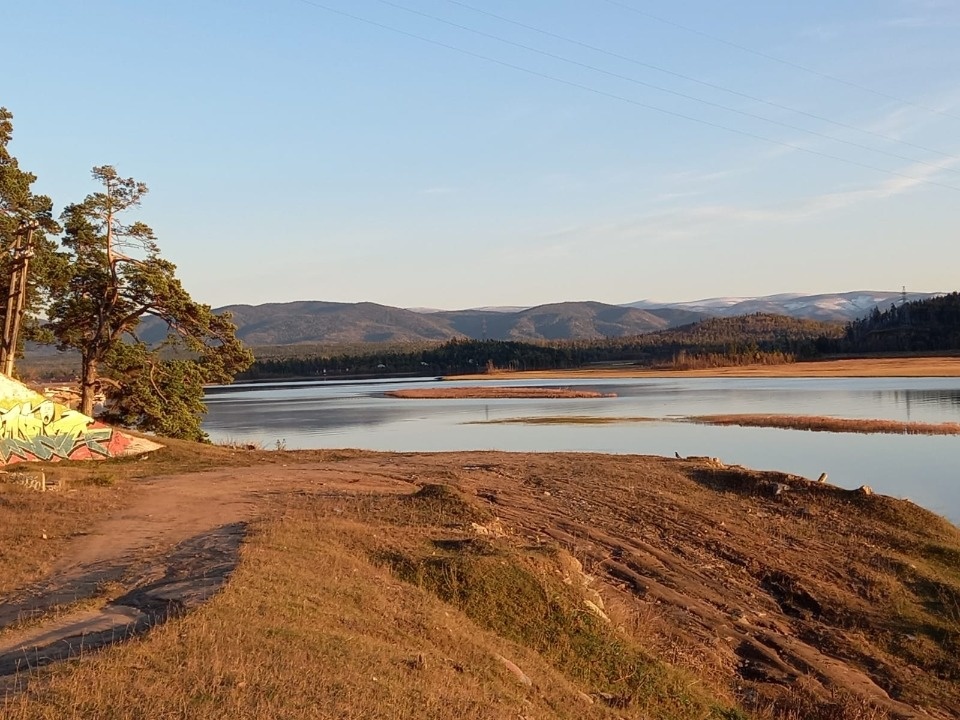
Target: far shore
[[867, 367]]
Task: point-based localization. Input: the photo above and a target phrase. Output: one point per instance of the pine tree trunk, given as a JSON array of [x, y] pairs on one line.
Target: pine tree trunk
[[88, 384]]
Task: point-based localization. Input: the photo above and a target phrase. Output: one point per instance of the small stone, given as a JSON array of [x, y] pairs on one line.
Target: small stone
[[517, 672]]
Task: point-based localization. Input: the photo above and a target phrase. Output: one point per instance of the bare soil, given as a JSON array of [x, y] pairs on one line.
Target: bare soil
[[759, 583]]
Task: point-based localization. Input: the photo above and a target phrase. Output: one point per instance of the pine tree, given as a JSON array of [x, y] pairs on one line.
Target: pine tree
[[117, 277]]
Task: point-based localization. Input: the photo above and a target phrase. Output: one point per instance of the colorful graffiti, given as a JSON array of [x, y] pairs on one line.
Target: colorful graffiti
[[34, 428]]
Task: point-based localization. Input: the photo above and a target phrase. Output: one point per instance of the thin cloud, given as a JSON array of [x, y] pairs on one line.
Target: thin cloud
[[691, 222]]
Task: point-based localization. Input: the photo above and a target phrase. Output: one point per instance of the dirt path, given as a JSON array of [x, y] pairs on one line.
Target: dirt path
[[168, 551]]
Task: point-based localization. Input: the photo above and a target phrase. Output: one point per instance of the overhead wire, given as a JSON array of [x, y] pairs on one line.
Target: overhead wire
[[699, 81], [660, 88], [782, 61], [621, 98]]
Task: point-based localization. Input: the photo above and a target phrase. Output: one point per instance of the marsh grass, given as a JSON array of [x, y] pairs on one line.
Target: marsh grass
[[816, 423], [494, 392]]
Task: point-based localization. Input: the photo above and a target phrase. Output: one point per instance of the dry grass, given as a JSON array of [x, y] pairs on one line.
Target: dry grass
[[386, 606], [35, 527], [485, 393], [818, 423], [353, 629], [866, 367]]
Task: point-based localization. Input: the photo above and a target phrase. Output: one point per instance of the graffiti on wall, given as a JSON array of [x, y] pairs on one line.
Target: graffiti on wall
[[45, 430]]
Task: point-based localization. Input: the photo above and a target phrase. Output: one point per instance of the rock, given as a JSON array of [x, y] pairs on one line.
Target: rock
[[865, 490], [517, 672], [31, 479], [596, 610], [491, 529]]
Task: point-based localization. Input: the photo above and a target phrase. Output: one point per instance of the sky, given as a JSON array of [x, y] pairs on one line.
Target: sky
[[464, 153]]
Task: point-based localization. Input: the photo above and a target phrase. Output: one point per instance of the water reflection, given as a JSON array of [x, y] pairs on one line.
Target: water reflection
[[341, 414]]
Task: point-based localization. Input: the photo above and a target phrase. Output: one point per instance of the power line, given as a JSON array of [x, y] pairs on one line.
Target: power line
[[621, 98], [782, 61], [698, 81], [660, 88]]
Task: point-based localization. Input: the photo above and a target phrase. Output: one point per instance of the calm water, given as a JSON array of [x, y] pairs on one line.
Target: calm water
[[356, 414]]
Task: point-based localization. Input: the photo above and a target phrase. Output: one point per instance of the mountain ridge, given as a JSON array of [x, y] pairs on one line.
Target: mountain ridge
[[320, 321]]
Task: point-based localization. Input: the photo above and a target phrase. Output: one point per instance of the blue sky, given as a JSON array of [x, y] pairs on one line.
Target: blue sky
[[578, 152]]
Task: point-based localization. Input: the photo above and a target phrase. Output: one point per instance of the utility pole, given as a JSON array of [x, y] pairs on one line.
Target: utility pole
[[21, 252]]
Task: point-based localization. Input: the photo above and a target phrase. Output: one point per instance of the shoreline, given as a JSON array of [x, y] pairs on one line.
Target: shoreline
[[944, 366]]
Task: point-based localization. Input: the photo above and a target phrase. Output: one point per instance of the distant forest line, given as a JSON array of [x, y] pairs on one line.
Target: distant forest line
[[740, 340], [923, 327]]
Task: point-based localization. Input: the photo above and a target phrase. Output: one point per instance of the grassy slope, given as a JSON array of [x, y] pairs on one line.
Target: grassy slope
[[354, 607], [356, 627]]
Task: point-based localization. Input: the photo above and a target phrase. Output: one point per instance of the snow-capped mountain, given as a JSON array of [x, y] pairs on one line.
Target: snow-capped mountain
[[836, 307]]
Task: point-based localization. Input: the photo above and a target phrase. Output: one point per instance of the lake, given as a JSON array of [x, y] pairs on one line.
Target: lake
[[337, 414]]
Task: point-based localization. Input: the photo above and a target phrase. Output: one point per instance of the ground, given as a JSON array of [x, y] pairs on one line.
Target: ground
[[357, 584]]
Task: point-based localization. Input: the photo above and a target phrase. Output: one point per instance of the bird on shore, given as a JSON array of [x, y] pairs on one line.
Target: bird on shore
[[822, 478], [678, 455]]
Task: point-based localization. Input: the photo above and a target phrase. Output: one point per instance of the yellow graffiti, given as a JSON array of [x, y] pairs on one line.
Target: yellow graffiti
[[24, 421]]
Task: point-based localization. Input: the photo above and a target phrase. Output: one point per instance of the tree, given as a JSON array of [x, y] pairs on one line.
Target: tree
[[19, 205], [117, 278]]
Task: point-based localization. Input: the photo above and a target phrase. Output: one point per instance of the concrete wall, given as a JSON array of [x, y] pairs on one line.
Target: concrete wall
[[33, 428]]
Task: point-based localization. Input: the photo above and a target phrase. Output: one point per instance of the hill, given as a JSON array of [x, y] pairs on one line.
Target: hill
[[334, 323], [352, 323]]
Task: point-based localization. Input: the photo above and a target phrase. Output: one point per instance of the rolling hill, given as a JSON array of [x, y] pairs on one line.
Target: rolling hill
[[349, 323], [303, 322]]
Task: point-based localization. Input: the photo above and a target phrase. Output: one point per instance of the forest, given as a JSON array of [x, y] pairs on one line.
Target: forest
[[923, 326], [757, 338]]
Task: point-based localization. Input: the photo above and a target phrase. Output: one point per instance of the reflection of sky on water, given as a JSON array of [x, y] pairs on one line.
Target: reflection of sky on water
[[926, 469]]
